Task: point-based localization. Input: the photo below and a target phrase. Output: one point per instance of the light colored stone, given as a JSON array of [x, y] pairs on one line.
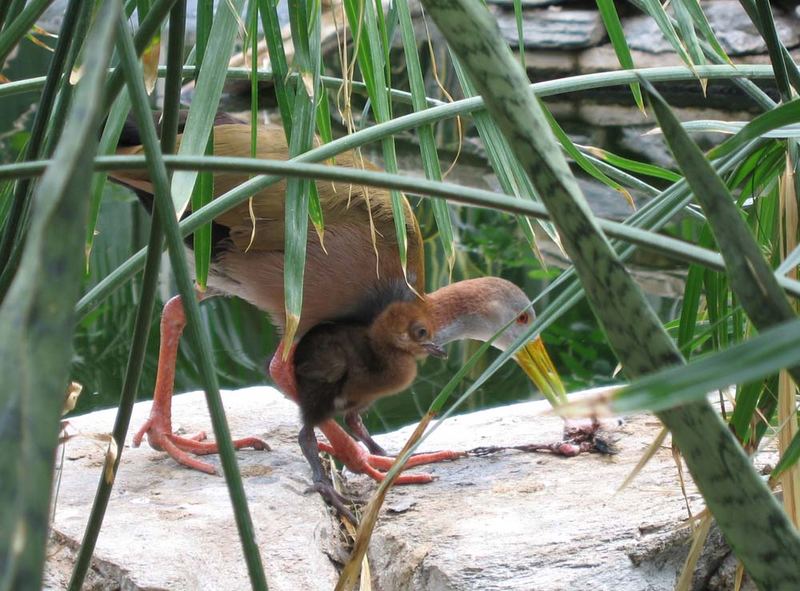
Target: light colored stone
[[509, 520], [523, 521], [168, 527]]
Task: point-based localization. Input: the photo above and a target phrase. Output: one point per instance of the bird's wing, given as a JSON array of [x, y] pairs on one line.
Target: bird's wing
[[360, 255]]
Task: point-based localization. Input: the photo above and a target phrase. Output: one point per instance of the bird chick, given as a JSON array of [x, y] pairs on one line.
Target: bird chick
[[342, 367]]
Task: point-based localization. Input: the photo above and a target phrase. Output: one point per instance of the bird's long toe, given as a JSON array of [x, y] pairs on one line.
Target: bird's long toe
[[361, 462], [184, 449], [334, 499]]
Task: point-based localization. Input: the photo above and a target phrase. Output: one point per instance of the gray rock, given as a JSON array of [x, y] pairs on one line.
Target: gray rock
[[736, 33], [168, 527], [509, 520], [553, 28], [521, 521]]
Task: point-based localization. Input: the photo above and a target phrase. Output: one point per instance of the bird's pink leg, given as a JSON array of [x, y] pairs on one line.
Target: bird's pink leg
[[341, 445], [158, 426]]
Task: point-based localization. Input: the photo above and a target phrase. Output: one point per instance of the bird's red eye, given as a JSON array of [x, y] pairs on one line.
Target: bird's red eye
[[523, 318]]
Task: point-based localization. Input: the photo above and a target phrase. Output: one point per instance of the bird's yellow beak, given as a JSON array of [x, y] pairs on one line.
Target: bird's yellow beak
[[536, 363]]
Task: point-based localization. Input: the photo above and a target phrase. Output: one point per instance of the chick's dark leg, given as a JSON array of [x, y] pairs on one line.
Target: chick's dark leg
[[321, 482], [356, 425], [158, 426]]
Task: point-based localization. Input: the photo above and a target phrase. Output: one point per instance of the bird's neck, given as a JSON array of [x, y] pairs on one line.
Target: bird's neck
[[459, 311]]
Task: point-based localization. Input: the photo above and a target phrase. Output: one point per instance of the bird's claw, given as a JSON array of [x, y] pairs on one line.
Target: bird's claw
[[359, 461], [334, 499], [183, 449]]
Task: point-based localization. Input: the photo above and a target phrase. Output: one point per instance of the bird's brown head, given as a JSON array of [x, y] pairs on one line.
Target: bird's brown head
[[408, 327]]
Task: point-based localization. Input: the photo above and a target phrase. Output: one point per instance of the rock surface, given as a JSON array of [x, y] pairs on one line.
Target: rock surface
[[548, 28], [509, 520], [735, 31]]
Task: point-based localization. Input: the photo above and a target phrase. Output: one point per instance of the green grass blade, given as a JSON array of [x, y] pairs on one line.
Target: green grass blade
[[321, 117], [506, 167], [792, 70], [147, 298], [277, 60], [203, 191], [789, 458], [702, 24], [608, 12], [747, 397], [750, 276], [781, 116], [198, 337], [35, 347], [149, 27], [688, 34], [14, 227], [690, 305], [299, 191], [774, 47], [580, 159], [371, 51], [206, 97], [108, 145], [518, 17], [632, 165], [17, 29], [427, 141], [657, 12], [757, 358]]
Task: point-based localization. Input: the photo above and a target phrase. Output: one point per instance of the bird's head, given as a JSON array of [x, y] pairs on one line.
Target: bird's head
[[478, 309], [408, 327]]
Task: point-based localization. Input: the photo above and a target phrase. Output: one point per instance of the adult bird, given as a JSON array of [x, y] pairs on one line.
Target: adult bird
[[355, 276]]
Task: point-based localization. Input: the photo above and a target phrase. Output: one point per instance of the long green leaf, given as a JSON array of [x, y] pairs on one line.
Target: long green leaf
[[608, 12], [580, 159], [792, 71], [108, 145], [510, 175], [37, 325], [361, 16], [427, 141], [786, 114], [198, 337], [277, 61], [203, 191], [689, 35], [147, 297], [750, 276], [208, 89], [662, 19], [702, 24], [300, 192], [761, 356], [766, 24], [15, 30], [632, 165], [15, 225]]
